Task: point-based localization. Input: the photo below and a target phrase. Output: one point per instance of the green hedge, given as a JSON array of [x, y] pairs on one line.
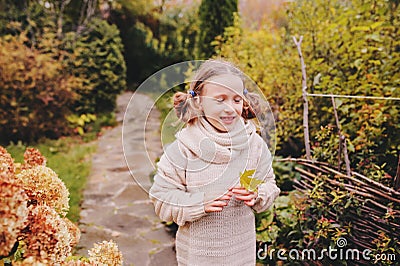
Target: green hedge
[[98, 60]]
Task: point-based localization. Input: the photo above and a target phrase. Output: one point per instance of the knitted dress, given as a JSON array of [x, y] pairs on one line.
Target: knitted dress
[[201, 165]]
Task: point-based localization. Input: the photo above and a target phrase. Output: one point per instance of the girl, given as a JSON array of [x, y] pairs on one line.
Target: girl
[[197, 182]]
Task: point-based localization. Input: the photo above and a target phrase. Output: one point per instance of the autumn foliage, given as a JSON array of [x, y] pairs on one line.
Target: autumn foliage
[[35, 92], [349, 48]]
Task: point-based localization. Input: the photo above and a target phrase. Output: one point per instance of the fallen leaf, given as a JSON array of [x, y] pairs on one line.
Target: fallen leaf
[[249, 183]]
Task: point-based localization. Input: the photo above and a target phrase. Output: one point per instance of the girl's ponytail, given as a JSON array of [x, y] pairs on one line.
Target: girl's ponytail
[[252, 106], [185, 107]]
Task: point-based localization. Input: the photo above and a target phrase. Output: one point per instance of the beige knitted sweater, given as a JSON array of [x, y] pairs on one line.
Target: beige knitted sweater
[[202, 164]]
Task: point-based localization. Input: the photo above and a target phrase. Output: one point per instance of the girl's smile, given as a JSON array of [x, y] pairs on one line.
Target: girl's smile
[[228, 119]]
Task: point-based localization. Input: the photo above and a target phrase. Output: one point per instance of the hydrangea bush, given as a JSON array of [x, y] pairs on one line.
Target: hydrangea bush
[[33, 226]]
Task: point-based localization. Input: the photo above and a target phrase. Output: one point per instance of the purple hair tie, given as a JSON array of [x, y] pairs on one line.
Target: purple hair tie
[[245, 91], [192, 93]]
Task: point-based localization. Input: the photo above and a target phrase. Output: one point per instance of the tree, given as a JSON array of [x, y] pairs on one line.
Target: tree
[[155, 36], [100, 63], [215, 16]]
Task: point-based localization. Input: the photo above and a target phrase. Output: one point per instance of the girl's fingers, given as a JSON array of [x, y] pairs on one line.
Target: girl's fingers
[[240, 190], [218, 203], [225, 197], [245, 197], [213, 209], [215, 206], [243, 192], [248, 197], [250, 203]]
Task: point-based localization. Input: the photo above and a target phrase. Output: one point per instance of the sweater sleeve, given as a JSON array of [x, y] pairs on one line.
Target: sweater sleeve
[[168, 193], [267, 191]]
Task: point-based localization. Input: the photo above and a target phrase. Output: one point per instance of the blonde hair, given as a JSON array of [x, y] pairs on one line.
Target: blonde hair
[[187, 107]]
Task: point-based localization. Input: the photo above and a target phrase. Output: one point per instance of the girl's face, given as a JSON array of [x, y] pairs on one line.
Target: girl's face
[[221, 101]]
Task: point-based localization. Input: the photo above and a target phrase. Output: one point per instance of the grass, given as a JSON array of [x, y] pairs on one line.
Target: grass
[[70, 158]]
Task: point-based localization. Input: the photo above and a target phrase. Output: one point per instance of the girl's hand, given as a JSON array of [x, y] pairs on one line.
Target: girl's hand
[[248, 197], [218, 204]]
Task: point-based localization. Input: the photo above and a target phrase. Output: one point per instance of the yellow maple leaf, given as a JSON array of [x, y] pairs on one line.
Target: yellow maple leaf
[[249, 183]]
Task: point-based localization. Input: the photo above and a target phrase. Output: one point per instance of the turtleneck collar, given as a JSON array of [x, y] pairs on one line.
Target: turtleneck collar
[[213, 146]]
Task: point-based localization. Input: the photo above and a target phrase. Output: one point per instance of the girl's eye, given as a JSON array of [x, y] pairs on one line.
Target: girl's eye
[[220, 100], [238, 100]]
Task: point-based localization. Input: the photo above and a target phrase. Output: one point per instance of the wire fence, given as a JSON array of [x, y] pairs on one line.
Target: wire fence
[[352, 96]]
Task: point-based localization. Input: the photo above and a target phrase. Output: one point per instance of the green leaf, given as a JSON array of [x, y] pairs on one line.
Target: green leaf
[[80, 122], [348, 203], [92, 117], [376, 24], [350, 146], [80, 131], [249, 183], [360, 28]]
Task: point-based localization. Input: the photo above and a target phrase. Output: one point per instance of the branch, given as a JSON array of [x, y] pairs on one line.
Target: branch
[[346, 156], [305, 101], [87, 11], [340, 153], [64, 3], [396, 184], [374, 183], [342, 140]]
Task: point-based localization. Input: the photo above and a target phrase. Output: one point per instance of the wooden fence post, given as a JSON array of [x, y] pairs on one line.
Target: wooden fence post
[[305, 101], [342, 140]]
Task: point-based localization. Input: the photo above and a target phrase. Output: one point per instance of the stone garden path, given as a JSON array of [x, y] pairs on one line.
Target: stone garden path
[[115, 206]]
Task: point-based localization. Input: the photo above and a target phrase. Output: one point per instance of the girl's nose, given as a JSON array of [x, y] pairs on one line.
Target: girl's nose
[[229, 108]]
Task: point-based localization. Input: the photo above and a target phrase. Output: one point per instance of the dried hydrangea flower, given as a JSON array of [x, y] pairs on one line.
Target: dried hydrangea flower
[[44, 187], [33, 157], [7, 167], [105, 253], [31, 261], [78, 263], [13, 213], [47, 236], [74, 231]]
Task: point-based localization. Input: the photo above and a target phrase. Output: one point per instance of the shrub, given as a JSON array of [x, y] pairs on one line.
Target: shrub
[[97, 58], [36, 94]]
